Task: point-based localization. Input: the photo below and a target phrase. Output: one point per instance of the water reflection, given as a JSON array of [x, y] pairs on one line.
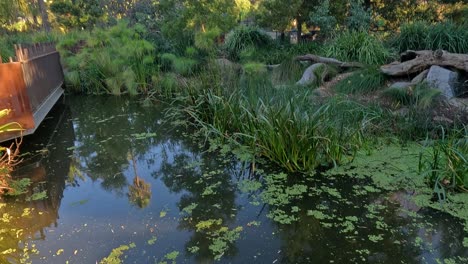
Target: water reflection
[[115, 173], [26, 219]]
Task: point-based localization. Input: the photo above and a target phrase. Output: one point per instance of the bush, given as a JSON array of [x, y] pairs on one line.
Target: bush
[[421, 35], [364, 81], [244, 37], [358, 46]]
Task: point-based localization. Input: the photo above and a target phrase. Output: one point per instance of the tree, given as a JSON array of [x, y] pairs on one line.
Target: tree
[[44, 15]]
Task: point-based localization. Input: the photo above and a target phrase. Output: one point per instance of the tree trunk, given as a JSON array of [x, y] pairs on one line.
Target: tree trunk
[[44, 15], [299, 29], [424, 59]]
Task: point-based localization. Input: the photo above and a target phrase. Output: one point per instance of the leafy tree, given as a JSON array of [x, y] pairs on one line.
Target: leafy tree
[[322, 17], [359, 18], [77, 13]]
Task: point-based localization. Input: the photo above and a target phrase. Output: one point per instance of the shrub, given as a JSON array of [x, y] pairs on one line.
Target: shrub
[[363, 81], [243, 37], [421, 35], [358, 46]]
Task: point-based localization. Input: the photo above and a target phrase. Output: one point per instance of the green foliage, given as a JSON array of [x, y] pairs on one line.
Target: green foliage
[[115, 60], [421, 36], [420, 96], [184, 66], [77, 14], [116, 254], [322, 18], [167, 59], [358, 46], [244, 37], [288, 72], [280, 124], [359, 18], [362, 81]]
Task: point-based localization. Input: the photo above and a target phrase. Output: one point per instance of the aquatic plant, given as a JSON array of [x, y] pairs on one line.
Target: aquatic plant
[[116, 254], [115, 60], [445, 166], [8, 155]]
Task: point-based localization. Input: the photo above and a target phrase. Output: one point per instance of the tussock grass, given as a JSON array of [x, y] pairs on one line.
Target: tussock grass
[[358, 46], [244, 37], [445, 165], [422, 35]]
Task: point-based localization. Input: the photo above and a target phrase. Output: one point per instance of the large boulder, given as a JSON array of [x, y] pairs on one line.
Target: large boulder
[[442, 79], [310, 75]]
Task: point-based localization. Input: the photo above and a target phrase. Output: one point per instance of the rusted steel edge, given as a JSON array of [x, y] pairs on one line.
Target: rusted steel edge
[[47, 54]]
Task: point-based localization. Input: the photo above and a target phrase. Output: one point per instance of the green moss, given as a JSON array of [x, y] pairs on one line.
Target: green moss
[[116, 254]]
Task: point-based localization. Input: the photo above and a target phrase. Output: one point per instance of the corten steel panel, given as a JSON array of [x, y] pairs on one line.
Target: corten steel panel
[[13, 95], [42, 75]]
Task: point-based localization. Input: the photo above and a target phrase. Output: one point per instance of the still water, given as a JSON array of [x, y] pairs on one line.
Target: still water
[[114, 173]]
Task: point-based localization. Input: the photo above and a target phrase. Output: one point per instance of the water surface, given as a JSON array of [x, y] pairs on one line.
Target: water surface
[[116, 174]]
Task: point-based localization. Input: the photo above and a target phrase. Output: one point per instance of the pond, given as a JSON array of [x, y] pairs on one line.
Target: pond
[[111, 182]]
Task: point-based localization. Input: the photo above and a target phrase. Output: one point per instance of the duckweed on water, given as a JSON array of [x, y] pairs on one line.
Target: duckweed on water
[[116, 254]]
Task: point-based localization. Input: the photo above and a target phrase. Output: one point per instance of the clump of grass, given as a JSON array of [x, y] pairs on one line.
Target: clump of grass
[[358, 46], [184, 66], [445, 166], [420, 96], [244, 37], [280, 123], [422, 35], [363, 81], [288, 72]]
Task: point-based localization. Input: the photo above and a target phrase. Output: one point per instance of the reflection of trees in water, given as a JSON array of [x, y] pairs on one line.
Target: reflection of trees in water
[[193, 173], [103, 127], [139, 193]]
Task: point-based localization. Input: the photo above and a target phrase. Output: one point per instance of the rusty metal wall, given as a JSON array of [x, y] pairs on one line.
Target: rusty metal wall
[[42, 75], [14, 96]]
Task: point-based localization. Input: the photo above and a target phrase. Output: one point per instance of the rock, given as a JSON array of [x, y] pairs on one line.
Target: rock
[[442, 79], [309, 76], [400, 85], [420, 77]]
